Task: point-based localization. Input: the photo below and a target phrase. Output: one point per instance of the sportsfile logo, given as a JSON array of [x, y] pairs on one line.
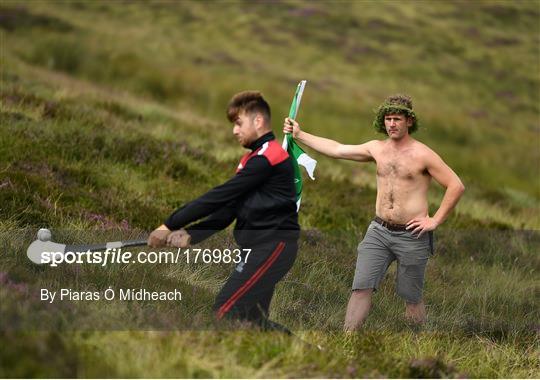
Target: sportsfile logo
[[109, 256]]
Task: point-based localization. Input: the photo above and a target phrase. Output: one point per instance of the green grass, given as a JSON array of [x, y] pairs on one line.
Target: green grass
[[112, 115]]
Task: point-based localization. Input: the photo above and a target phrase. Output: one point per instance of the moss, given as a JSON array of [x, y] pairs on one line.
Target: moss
[[387, 109]]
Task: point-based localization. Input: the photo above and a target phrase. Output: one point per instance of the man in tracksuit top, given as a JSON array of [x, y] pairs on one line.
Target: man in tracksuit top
[[261, 197]]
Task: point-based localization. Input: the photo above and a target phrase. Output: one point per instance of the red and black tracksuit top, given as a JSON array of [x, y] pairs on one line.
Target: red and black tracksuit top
[[261, 197]]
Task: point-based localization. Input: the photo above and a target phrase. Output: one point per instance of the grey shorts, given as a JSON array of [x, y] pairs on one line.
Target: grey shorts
[[380, 248]]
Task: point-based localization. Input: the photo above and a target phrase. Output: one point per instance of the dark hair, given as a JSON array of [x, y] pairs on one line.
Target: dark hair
[[395, 104], [248, 102]]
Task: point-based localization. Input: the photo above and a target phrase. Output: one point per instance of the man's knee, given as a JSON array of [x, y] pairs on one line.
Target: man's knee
[[362, 293], [409, 293], [415, 310], [415, 304]]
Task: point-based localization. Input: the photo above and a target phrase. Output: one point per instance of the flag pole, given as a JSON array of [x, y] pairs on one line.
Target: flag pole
[[299, 156]]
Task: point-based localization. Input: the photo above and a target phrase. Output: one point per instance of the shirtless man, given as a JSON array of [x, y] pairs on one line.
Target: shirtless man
[[402, 228]]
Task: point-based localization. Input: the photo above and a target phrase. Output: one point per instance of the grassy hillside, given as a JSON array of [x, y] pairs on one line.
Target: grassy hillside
[[112, 115]]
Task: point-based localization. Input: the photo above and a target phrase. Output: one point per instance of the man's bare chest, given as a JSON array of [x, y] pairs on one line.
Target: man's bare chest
[[402, 167]]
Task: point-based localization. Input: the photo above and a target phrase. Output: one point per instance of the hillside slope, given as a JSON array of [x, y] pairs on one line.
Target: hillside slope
[[112, 115]]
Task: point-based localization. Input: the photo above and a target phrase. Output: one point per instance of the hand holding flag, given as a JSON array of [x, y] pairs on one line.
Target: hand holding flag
[[300, 157]]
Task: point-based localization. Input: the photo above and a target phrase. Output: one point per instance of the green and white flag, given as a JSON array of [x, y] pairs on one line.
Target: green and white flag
[[300, 157]]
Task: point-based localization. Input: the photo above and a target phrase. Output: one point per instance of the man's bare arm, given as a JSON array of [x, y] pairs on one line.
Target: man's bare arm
[[329, 147], [445, 176]]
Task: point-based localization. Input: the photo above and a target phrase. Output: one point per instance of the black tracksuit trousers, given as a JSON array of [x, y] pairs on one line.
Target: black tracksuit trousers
[[249, 289]]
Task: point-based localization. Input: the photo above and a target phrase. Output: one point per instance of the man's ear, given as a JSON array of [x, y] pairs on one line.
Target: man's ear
[[258, 120], [410, 121]]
